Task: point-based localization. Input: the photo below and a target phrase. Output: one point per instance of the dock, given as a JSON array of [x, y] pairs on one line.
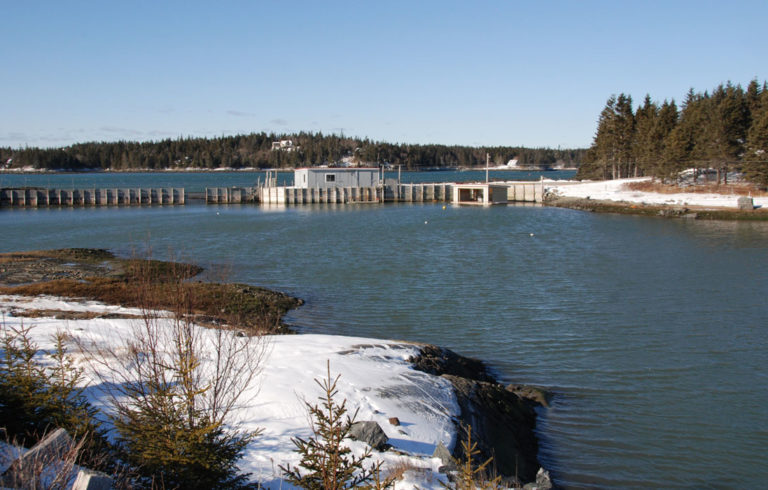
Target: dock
[[390, 192]]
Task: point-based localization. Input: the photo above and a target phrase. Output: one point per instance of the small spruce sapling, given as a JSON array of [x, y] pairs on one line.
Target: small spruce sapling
[[326, 463]]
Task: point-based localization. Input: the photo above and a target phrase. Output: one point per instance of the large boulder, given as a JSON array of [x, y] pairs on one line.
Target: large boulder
[[745, 203], [503, 419], [370, 433], [502, 424]]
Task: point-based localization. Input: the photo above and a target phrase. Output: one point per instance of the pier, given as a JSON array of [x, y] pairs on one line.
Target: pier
[[389, 192]]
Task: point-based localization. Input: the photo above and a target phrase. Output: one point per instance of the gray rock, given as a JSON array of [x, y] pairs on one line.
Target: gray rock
[[543, 482], [745, 203], [92, 480], [445, 457], [52, 447], [370, 433]]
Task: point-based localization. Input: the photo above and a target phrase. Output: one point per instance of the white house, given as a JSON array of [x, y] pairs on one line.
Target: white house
[[323, 178], [283, 145]]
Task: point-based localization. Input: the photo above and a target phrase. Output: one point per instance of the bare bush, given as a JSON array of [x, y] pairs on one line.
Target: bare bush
[[174, 388]]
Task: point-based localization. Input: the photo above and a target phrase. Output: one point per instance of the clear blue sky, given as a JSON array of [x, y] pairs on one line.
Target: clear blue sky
[[531, 73]]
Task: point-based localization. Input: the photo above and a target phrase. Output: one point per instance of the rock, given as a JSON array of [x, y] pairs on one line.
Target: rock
[[370, 433], [394, 421], [543, 482], [52, 447], [439, 361], [92, 480], [503, 425], [446, 458], [503, 419], [535, 395], [745, 203]]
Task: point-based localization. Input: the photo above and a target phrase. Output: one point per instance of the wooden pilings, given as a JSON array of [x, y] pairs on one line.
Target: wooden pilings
[[33, 197]]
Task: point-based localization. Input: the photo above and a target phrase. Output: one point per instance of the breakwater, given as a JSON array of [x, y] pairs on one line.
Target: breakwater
[[36, 197], [284, 195]]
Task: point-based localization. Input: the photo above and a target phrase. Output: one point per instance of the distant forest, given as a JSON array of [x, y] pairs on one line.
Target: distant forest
[[256, 150], [724, 131]]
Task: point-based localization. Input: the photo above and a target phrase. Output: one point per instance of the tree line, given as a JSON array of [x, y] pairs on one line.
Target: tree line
[[255, 150], [725, 130]]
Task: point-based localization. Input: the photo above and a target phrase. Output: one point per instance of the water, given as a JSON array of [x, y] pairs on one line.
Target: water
[[650, 332]]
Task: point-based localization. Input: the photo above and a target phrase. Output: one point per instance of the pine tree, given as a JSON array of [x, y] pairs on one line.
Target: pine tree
[[625, 133], [326, 463], [646, 143], [37, 397], [756, 158]]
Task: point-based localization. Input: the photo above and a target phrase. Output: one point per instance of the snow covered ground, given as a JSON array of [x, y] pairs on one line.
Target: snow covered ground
[[615, 190], [376, 379]]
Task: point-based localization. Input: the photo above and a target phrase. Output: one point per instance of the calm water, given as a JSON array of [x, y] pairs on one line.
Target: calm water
[[650, 332]]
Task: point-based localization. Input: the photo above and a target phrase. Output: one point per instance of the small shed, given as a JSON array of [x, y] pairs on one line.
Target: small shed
[[325, 178], [480, 194]]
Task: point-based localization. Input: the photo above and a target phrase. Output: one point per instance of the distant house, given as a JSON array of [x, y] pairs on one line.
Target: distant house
[[323, 178], [283, 145]]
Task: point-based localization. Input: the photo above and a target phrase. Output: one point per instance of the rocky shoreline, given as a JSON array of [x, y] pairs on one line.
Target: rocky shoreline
[[502, 418], [656, 210]]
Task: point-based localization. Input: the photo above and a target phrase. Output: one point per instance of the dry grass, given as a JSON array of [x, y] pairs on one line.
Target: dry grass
[[46, 469], [214, 304], [397, 471], [740, 189]]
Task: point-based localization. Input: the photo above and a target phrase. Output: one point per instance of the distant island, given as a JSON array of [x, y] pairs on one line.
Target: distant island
[[275, 151]]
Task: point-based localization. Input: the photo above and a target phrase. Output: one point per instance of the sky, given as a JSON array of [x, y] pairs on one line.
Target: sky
[[479, 73]]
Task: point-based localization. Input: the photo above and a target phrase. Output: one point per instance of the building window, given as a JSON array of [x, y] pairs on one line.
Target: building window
[[330, 177]]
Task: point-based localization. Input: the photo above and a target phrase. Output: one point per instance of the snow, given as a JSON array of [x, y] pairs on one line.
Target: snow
[[375, 378], [615, 190]]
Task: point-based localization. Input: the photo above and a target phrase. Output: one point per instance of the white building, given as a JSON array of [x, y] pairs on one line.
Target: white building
[[324, 178], [482, 194], [283, 145]]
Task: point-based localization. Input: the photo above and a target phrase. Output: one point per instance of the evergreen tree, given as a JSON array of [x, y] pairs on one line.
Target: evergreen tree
[[326, 463], [756, 158], [646, 144], [38, 397], [724, 128]]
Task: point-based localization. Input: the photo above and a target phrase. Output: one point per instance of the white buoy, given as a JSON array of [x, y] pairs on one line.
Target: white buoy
[[426, 222], [531, 234]]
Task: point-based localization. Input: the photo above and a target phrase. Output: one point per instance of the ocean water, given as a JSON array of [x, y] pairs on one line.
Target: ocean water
[[650, 333]]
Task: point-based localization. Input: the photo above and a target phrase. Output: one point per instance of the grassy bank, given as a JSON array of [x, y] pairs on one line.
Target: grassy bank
[[98, 275]]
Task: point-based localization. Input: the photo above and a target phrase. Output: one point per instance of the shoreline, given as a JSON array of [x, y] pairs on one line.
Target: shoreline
[[503, 418], [690, 211]]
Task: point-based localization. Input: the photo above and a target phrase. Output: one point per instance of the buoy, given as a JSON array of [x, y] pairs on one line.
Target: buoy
[[531, 234], [443, 206], [425, 222]]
